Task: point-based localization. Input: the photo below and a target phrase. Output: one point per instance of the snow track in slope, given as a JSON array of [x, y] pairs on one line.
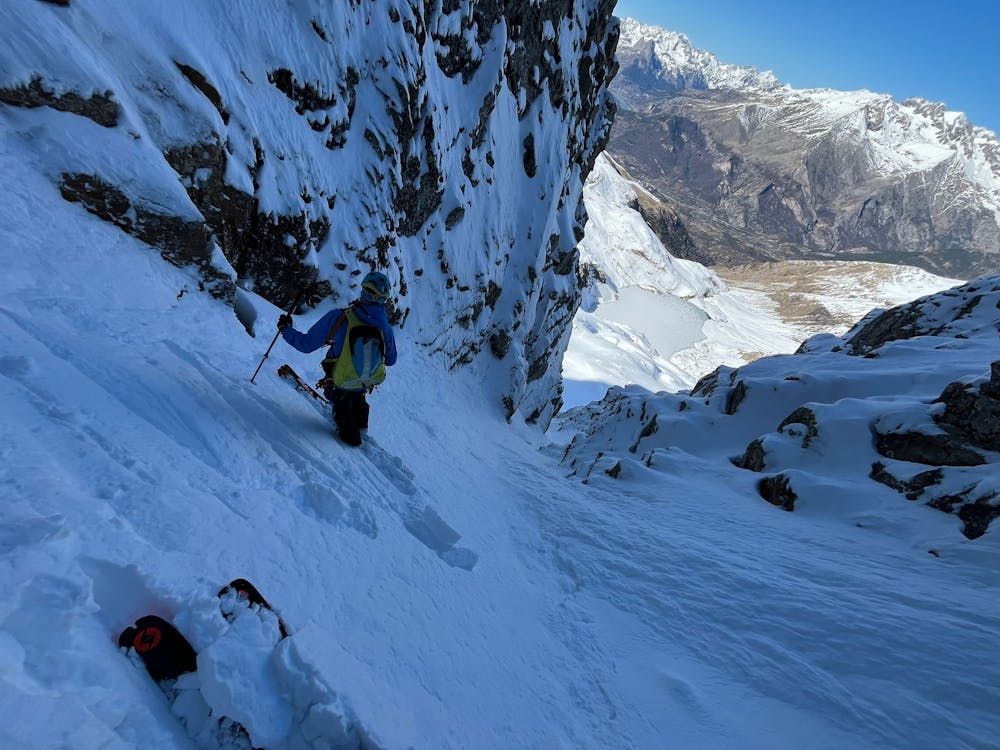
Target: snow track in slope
[[140, 470]]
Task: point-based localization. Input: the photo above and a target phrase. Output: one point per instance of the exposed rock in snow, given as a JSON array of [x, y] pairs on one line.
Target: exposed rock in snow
[[99, 107], [972, 412], [948, 313], [900, 399]]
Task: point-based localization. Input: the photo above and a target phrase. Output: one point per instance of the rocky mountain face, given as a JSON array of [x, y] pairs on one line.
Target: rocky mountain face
[[285, 149], [905, 405], [760, 171]]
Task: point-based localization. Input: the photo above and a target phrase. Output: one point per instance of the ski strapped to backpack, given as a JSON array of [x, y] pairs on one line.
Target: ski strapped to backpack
[[360, 365]]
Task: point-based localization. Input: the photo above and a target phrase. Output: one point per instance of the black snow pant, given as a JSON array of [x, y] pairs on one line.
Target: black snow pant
[[350, 414]]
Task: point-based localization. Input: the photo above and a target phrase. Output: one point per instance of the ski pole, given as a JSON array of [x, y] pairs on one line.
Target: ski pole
[[273, 342], [295, 306]]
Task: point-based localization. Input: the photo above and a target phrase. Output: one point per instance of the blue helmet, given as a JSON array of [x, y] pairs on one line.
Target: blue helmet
[[376, 285]]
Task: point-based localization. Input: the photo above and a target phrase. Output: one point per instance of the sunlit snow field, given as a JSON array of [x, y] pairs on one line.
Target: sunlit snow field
[[669, 323], [141, 470]]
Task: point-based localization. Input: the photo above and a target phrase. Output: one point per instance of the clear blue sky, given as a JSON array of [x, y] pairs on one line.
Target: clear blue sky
[[942, 51]]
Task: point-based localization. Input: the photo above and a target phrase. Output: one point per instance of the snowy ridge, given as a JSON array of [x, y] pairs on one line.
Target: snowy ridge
[[673, 58], [621, 244], [850, 415], [903, 136]]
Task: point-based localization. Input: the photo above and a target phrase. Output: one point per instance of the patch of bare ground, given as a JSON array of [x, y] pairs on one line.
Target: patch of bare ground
[[822, 296]]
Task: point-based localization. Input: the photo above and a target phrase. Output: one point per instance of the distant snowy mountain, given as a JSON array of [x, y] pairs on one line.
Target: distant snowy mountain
[[657, 62], [285, 148], [760, 171]]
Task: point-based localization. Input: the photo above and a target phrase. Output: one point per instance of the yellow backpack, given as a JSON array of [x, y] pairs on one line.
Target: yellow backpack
[[360, 365]]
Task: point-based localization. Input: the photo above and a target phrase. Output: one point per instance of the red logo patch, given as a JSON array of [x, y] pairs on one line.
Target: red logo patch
[[147, 639]]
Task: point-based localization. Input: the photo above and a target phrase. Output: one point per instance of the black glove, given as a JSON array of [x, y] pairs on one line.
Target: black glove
[[284, 321]]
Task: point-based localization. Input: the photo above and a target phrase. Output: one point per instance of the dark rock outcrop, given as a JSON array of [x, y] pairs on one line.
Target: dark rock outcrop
[[269, 248], [970, 421], [99, 107], [180, 242], [921, 448], [972, 412], [198, 80], [777, 490], [976, 515], [736, 397], [912, 488], [667, 225], [804, 416], [754, 458], [943, 314]]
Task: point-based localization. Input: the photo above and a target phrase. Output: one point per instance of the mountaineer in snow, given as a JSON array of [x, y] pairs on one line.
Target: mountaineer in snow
[[371, 347]]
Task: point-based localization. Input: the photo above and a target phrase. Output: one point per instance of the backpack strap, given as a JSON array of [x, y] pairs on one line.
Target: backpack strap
[[338, 324], [330, 362]]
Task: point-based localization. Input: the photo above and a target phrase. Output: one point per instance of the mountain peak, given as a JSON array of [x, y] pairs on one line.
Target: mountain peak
[[767, 171], [652, 55]]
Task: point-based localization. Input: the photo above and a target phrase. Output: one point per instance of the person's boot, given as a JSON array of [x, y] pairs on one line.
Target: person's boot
[[349, 436]]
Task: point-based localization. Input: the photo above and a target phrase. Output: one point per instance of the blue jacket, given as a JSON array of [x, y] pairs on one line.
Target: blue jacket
[[372, 313]]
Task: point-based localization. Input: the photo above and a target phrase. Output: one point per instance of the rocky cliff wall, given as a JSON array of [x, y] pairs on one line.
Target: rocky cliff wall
[[285, 148]]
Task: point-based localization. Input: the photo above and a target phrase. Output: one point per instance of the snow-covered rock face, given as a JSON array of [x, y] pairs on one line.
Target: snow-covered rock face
[[764, 171], [445, 143], [906, 401], [659, 62], [648, 317], [620, 249]]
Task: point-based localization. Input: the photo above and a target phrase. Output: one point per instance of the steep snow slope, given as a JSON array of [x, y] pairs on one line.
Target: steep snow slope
[[291, 146], [141, 471]]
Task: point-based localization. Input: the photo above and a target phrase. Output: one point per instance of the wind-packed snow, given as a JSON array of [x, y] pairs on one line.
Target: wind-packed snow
[[141, 471], [894, 637]]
